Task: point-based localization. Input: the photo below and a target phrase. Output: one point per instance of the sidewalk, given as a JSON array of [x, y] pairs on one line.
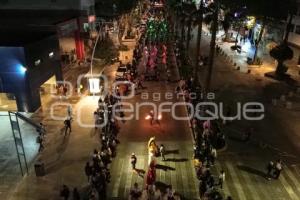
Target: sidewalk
[[65, 157], [269, 63], [276, 136]]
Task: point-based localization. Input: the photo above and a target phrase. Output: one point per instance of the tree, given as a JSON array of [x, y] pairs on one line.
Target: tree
[[189, 9], [215, 7], [233, 12], [283, 52], [199, 21], [266, 12], [212, 16], [182, 22], [177, 7], [226, 23]]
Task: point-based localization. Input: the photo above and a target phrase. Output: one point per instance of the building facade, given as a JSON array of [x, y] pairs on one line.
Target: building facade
[[28, 60], [73, 31]]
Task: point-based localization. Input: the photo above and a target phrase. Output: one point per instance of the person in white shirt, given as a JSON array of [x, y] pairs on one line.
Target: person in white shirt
[[221, 179]]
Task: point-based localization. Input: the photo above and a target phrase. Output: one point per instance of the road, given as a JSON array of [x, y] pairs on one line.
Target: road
[[176, 137]]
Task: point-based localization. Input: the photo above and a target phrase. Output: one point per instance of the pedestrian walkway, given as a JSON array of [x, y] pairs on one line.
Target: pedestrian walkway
[[247, 180], [178, 169], [276, 136], [240, 59], [64, 157], [179, 174]]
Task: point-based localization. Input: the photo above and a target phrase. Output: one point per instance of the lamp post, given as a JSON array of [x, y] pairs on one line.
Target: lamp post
[[94, 82]]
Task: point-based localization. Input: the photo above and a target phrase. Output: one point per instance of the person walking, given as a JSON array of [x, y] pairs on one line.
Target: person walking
[[213, 155], [221, 178], [278, 169], [96, 118], [170, 193], [151, 114], [133, 161], [68, 125], [139, 84], [65, 90], [42, 129], [270, 168], [65, 192], [162, 152], [88, 171], [69, 111], [135, 192], [76, 195], [40, 141], [154, 117]]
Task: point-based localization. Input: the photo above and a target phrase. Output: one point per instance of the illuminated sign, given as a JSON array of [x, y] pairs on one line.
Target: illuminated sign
[[94, 85]]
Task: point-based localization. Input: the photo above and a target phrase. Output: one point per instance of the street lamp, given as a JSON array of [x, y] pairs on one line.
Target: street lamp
[[94, 82]]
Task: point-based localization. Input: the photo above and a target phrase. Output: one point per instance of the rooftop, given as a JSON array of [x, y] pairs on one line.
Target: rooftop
[[20, 38], [36, 18], [20, 27]]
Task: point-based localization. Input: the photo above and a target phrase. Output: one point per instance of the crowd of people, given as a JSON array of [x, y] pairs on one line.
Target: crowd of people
[[208, 136], [151, 56]]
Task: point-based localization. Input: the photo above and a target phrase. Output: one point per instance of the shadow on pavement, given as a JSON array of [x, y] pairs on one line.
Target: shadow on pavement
[[176, 151], [164, 167], [251, 170], [177, 159], [60, 149], [140, 172]]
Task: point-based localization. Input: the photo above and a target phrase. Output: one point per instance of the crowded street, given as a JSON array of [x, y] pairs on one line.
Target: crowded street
[[151, 100]]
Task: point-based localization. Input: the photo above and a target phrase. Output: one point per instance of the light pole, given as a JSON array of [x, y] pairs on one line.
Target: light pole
[[94, 82]]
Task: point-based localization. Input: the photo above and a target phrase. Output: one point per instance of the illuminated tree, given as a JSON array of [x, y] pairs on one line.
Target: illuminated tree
[[283, 52]]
